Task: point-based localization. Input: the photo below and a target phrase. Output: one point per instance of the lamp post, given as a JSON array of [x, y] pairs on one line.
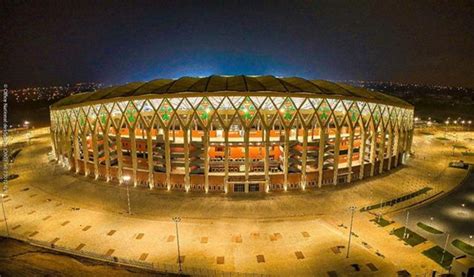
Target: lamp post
[[352, 208], [176, 220], [446, 130], [406, 225], [5, 216], [444, 249], [126, 179]]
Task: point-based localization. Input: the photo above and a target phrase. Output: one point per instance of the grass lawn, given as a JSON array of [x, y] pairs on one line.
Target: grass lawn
[[435, 253], [442, 138], [464, 247], [467, 153], [413, 238], [428, 228], [426, 133], [382, 222], [459, 146]]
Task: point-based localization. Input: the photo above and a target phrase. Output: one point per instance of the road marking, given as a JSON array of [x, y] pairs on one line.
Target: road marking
[[46, 218], [170, 239], [19, 206], [86, 228], [143, 256], [299, 255], [78, 248], [65, 223], [237, 238], [33, 234], [275, 236], [32, 212], [305, 234], [260, 259], [220, 260], [110, 252], [54, 240], [33, 195], [111, 232], [372, 267], [140, 236], [16, 227]]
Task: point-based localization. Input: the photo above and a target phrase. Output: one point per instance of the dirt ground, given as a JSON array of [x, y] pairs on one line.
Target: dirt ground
[[21, 259]]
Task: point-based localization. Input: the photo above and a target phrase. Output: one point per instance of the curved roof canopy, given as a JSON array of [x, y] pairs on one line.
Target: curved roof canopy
[[241, 83]]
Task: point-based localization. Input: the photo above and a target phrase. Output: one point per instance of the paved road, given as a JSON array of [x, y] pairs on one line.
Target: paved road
[[453, 214]]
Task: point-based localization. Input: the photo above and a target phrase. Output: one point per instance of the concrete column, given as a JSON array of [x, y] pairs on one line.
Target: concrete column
[[381, 152], [85, 153], [390, 148], [396, 145], [187, 181], [337, 143], [166, 135], [206, 159], [322, 144], [77, 154], [95, 153], [68, 145], [267, 159], [226, 160], [285, 158], [304, 158], [133, 144], [247, 157], [373, 148], [350, 153], [118, 145], [149, 148], [107, 153], [363, 145]]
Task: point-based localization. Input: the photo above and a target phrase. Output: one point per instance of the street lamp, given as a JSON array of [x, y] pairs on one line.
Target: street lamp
[[406, 225], [126, 179], [444, 249], [5, 216], [176, 220], [352, 208], [446, 130]]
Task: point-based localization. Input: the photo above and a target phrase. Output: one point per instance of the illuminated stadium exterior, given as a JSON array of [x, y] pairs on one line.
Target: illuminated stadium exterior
[[232, 133]]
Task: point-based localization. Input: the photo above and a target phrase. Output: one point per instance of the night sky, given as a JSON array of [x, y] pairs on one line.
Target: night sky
[[49, 43]]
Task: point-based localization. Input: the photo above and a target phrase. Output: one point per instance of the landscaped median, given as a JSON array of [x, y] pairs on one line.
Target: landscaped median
[[411, 237], [464, 247], [436, 254], [429, 229], [381, 221]]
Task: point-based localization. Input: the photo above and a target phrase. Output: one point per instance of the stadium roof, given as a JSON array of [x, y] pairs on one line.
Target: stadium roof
[[237, 84]]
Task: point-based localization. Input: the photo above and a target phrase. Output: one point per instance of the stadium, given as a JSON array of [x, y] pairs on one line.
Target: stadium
[[232, 134]]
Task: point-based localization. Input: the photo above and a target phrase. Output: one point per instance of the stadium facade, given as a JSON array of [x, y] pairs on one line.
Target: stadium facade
[[232, 133]]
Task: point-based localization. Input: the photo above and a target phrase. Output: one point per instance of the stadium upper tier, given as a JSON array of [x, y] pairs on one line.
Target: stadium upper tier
[[216, 84]]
